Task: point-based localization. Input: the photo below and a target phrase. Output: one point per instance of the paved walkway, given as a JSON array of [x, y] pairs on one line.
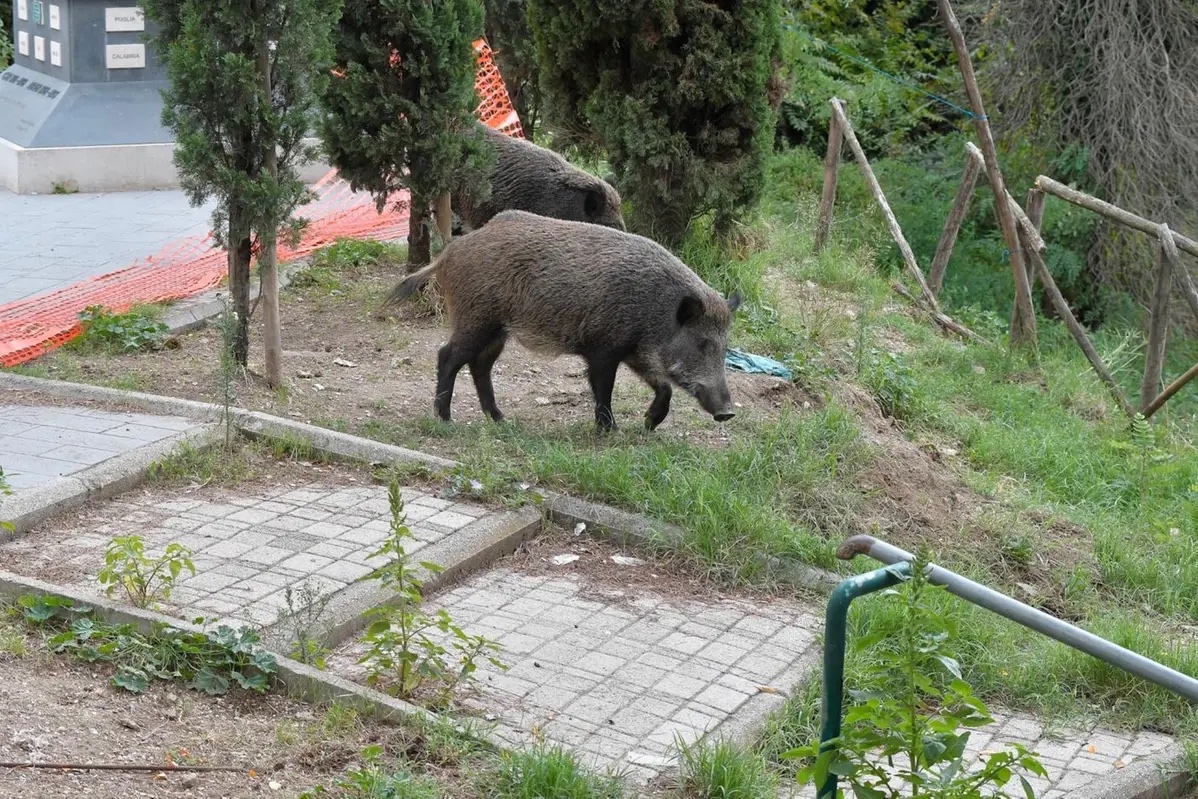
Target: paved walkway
[[619, 679], [52, 241], [38, 444]]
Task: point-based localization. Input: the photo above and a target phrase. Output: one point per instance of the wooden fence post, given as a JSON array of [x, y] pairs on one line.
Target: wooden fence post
[[895, 231], [952, 225], [1187, 245], [1023, 319], [831, 172], [1035, 215], [1083, 341], [1158, 326]]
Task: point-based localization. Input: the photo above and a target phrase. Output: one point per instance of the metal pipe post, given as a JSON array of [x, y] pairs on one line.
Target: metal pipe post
[[835, 639]]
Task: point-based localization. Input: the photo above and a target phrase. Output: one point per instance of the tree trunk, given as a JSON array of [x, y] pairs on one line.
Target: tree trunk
[[239, 279], [1023, 317], [419, 238], [268, 253], [443, 214]]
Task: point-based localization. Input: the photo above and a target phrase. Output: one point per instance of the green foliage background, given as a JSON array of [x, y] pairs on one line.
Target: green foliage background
[[676, 94]]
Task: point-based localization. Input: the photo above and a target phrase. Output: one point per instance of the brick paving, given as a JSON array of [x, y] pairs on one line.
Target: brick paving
[[53, 241], [40, 443], [249, 547], [617, 681]]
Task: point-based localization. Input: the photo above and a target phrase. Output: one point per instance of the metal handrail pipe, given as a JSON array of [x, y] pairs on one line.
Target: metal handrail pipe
[[1020, 613]]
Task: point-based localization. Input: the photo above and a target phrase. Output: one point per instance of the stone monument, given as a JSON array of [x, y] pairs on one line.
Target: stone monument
[[81, 103]]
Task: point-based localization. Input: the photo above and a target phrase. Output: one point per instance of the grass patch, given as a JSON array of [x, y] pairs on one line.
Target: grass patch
[[724, 770], [550, 771], [333, 268], [774, 492]]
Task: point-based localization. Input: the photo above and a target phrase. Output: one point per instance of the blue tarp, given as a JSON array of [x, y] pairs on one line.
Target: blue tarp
[[755, 364]]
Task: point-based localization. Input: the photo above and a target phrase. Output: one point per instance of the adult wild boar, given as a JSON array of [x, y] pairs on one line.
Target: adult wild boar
[[528, 177], [574, 288]]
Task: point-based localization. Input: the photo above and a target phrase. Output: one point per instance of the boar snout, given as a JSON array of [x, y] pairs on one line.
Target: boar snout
[[717, 401]]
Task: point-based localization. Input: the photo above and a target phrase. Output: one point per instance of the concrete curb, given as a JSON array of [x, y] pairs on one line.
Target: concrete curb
[[1147, 781], [250, 422], [30, 507], [192, 313]]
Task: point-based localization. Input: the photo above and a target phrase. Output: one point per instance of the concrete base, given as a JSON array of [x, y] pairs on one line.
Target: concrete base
[[121, 167]]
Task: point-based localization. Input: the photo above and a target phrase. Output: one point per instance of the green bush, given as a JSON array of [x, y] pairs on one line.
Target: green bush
[[679, 95], [827, 45]]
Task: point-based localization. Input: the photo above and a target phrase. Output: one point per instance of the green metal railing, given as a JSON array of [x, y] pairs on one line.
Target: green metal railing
[[897, 569]]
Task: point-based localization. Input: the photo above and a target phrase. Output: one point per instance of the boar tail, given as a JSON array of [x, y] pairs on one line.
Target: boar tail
[[410, 285]]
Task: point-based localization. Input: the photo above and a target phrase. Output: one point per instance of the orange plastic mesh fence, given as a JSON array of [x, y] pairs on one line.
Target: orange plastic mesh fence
[[36, 325]]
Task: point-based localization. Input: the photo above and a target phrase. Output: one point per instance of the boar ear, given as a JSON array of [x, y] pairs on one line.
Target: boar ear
[[689, 309], [735, 302], [592, 202]]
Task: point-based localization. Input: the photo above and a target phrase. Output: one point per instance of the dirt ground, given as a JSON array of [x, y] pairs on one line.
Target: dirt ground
[[60, 711], [343, 364]]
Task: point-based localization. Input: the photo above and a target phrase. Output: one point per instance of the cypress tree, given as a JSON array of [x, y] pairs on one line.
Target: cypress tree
[[400, 114], [677, 93], [243, 75]]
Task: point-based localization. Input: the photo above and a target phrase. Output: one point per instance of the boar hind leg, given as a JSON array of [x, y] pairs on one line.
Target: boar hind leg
[[463, 348], [662, 393], [601, 371], [480, 371]]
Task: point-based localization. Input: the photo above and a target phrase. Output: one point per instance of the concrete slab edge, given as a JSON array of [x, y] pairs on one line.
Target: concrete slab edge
[[183, 316], [249, 422], [1147, 780], [30, 507]]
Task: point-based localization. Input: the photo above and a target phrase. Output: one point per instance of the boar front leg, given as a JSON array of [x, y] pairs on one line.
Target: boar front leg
[[601, 372], [662, 392]]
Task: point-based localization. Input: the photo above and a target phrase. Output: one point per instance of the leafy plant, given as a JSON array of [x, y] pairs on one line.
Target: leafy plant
[[1143, 453], [890, 382], [124, 332], [906, 734], [302, 614], [145, 580], [211, 662], [403, 652]]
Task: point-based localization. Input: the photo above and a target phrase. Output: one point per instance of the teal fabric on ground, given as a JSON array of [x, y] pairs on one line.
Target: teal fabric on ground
[[755, 364]]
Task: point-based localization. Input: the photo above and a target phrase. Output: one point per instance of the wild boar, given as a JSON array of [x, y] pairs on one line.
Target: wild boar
[[563, 287], [528, 177]]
